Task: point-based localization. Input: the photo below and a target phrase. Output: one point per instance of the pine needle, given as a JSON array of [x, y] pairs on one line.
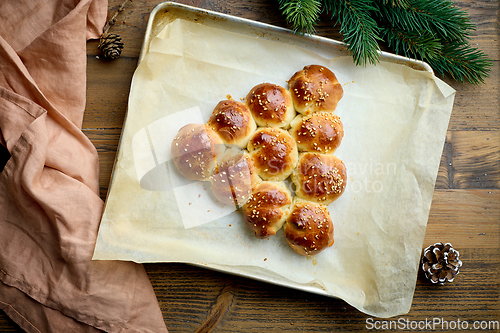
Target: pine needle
[[396, 3], [360, 30], [462, 62], [435, 31], [438, 16], [301, 14], [422, 45]]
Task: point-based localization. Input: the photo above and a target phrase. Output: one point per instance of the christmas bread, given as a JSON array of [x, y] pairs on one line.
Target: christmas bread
[[235, 178], [274, 137], [314, 89], [309, 228], [274, 153], [319, 178], [268, 208], [320, 132], [271, 105], [233, 122], [196, 149]]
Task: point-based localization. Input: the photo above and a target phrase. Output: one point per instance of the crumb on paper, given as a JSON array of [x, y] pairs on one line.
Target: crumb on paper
[[265, 259], [190, 203]]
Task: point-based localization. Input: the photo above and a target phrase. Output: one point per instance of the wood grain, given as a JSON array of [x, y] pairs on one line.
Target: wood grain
[[261, 307], [470, 159], [465, 218], [465, 208]]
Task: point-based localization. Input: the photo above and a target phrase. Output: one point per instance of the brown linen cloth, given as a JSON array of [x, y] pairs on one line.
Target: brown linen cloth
[[49, 203]]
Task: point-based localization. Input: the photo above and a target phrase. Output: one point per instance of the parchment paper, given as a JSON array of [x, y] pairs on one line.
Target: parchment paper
[[395, 120]]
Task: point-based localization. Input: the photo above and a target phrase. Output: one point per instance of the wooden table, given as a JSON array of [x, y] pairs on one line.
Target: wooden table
[[465, 209]]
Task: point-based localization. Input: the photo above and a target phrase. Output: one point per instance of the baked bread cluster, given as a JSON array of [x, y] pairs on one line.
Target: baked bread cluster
[[272, 155]]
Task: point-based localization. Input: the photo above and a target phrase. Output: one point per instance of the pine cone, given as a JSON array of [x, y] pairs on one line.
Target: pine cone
[[440, 263], [110, 45]]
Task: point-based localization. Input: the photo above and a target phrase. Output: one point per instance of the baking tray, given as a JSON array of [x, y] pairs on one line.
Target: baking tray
[[166, 12]]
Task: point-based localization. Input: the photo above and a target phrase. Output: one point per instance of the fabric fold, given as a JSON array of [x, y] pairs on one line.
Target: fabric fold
[[50, 207]]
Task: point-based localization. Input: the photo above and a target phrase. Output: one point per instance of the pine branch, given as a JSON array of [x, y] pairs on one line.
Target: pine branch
[[301, 14], [396, 3], [422, 45], [439, 16], [429, 37], [462, 62], [358, 27], [431, 30]]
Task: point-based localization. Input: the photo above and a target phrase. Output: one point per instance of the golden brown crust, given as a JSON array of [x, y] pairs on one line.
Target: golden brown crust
[[315, 88], [309, 228], [320, 132], [267, 209], [233, 122], [271, 105], [250, 173], [235, 178], [195, 150], [319, 178], [274, 153]]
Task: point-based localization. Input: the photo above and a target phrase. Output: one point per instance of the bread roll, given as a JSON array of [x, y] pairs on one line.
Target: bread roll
[[320, 132], [319, 178], [309, 228], [315, 88], [274, 153], [267, 209], [233, 122], [271, 105], [196, 149], [235, 178]]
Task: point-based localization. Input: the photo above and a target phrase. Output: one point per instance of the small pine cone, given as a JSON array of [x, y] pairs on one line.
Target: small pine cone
[[110, 45], [441, 263]]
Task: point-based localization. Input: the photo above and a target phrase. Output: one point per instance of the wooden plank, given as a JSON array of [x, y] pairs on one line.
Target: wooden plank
[[108, 86], [188, 306], [465, 218], [256, 306], [477, 108], [484, 14], [470, 159], [465, 208]]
